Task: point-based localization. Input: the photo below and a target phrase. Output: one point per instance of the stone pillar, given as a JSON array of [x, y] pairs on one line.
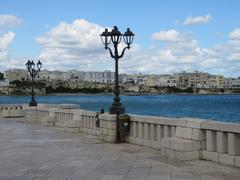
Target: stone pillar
[[32, 114], [222, 142], [234, 144], [211, 141], [52, 117], [153, 132], [159, 132], [135, 129], [167, 132], [140, 130], [146, 131], [108, 132], [173, 131], [131, 128]]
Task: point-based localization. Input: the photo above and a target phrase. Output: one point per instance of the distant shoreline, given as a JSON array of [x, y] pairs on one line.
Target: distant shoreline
[[124, 94]]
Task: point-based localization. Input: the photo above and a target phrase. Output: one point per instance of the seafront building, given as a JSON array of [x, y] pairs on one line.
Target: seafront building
[[106, 77], [167, 80], [53, 76], [16, 74], [197, 80], [232, 82], [4, 87]]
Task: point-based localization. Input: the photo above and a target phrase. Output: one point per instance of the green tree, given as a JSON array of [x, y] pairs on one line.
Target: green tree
[[1, 76]]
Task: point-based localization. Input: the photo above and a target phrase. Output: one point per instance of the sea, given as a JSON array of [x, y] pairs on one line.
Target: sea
[[211, 107]]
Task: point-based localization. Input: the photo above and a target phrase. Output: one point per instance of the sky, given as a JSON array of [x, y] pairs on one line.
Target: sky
[[170, 36]]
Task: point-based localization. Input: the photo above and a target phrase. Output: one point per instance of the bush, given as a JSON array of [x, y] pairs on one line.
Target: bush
[[62, 89], [1, 76]]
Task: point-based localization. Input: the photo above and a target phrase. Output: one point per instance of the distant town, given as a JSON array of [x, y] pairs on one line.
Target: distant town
[[17, 81]]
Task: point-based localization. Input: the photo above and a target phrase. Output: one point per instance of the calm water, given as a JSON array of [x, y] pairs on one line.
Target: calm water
[[217, 107]]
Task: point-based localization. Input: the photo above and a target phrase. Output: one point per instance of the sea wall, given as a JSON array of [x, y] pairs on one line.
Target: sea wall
[[12, 110], [188, 139], [74, 120], [177, 138]]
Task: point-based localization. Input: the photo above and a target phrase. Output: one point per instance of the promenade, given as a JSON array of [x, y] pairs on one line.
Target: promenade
[[31, 151]]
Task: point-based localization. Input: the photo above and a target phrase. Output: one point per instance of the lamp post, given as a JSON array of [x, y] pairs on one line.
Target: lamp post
[[115, 37], [30, 65]]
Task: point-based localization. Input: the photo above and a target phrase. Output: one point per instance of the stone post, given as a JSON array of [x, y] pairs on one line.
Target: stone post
[[108, 127]]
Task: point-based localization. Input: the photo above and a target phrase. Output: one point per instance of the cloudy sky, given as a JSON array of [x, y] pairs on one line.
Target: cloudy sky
[[170, 35]]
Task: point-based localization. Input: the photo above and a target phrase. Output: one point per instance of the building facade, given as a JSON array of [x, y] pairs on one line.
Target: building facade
[[16, 74]]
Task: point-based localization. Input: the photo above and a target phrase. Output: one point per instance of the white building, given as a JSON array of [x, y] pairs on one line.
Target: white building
[[167, 81], [16, 74], [232, 82], [4, 83], [51, 76], [76, 76], [4, 87], [99, 77]]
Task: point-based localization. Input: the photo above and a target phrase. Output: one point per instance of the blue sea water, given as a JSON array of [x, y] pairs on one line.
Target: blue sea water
[[216, 107]]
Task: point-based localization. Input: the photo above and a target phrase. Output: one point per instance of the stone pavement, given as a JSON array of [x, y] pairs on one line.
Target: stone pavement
[[31, 151]]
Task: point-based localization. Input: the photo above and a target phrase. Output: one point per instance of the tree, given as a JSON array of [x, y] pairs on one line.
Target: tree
[[1, 76]]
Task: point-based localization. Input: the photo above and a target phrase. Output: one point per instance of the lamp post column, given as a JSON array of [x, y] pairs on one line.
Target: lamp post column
[[116, 107], [115, 37], [30, 65]]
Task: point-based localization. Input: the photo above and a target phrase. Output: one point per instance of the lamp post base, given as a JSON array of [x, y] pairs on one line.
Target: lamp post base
[[116, 110], [33, 103]]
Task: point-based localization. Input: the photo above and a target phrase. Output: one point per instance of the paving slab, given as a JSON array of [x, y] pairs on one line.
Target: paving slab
[[34, 152]]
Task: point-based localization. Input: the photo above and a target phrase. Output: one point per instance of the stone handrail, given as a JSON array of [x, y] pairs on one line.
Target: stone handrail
[[74, 120], [222, 142], [149, 130], [178, 138], [12, 110], [188, 139]]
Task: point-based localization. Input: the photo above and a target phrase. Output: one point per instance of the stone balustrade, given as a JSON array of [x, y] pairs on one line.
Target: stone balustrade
[[188, 139], [74, 120], [178, 138], [12, 110], [149, 130], [222, 142]]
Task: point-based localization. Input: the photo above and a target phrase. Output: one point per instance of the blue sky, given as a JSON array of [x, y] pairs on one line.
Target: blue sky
[[189, 35]]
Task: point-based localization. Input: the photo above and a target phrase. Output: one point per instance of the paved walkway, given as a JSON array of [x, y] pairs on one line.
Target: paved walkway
[[31, 151]]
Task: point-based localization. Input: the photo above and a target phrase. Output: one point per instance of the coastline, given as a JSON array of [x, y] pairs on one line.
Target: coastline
[[122, 94]]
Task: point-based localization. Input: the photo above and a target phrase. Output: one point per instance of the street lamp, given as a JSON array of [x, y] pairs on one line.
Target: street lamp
[[115, 37], [30, 65]]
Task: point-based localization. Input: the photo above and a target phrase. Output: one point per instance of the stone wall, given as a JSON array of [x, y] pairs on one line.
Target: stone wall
[[74, 120], [177, 138], [12, 110], [188, 139]]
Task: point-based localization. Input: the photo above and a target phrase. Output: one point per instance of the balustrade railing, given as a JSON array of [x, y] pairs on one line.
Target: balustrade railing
[[180, 138]]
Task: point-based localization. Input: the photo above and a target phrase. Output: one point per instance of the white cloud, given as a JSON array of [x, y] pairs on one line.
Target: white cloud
[[170, 35], [77, 45], [185, 53], [235, 34], [197, 20], [9, 21], [5, 42]]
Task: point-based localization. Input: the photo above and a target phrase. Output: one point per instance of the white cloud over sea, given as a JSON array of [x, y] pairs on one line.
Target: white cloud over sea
[[77, 45]]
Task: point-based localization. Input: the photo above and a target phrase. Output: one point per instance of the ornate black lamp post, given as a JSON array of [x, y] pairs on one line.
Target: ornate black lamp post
[[115, 36], [30, 65]]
